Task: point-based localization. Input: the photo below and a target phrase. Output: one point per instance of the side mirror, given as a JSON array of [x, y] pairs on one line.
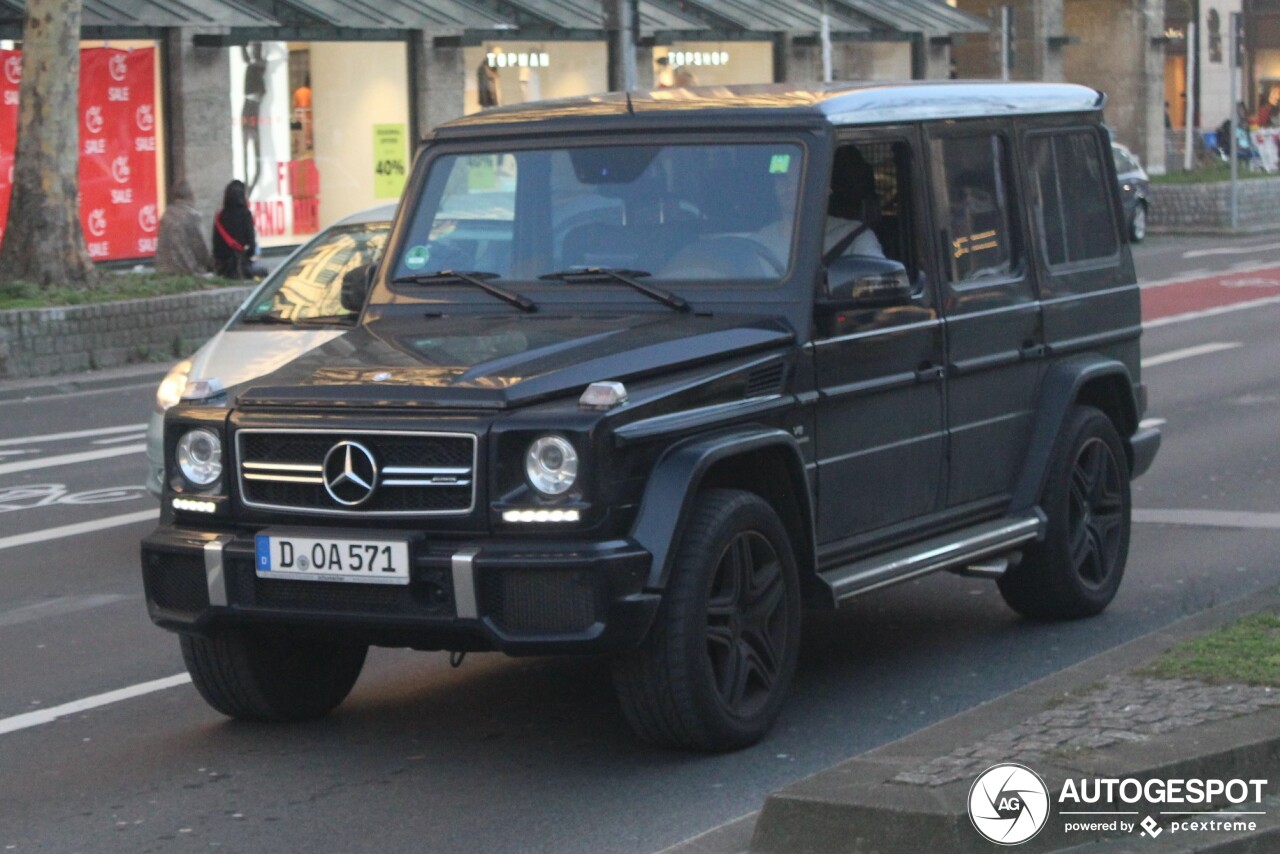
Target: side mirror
[[866, 282], [355, 286]]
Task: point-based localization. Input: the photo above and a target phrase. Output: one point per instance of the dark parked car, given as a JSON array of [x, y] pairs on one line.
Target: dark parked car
[[798, 345], [1134, 189]]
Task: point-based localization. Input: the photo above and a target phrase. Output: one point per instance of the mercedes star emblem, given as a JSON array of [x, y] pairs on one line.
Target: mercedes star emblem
[[350, 473]]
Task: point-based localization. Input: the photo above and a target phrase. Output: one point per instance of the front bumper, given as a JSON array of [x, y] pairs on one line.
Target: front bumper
[[519, 597], [1144, 443]]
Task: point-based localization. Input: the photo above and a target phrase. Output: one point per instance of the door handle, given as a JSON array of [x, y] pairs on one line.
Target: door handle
[[1032, 350], [930, 373]]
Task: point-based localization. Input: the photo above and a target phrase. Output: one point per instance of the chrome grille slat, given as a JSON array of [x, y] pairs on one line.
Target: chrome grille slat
[[421, 473]]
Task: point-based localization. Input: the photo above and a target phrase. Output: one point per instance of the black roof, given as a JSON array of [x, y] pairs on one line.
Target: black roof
[[845, 103]]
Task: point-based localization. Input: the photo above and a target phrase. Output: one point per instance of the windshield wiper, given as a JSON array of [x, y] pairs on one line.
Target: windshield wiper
[[472, 277], [626, 277], [337, 319], [271, 319]]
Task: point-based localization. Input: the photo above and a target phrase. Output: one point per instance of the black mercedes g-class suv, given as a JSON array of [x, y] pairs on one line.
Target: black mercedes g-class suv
[[650, 374]]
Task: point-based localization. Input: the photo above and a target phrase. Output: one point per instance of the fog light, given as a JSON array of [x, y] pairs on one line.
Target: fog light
[[541, 515], [190, 505]]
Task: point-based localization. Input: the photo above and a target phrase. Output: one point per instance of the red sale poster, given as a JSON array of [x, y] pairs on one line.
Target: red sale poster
[[117, 148], [118, 152], [10, 77]]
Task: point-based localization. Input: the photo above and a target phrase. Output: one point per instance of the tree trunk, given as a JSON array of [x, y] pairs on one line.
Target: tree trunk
[[43, 241]]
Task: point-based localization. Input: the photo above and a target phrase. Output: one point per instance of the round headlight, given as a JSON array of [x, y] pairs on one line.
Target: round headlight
[[552, 465], [199, 457]]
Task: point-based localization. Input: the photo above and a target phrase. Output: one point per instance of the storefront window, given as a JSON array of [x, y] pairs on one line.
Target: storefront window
[[712, 63], [121, 145], [515, 72], [320, 130]]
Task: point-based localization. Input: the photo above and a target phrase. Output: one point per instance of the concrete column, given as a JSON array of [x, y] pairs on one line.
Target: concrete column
[[440, 76], [644, 68], [937, 60], [804, 64], [1153, 152], [198, 118], [1048, 62]]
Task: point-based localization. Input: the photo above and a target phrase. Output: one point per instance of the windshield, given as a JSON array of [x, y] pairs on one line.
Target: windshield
[[309, 284], [673, 212]]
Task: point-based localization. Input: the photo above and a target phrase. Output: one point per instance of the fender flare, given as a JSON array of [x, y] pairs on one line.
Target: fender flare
[[1058, 393], [673, 486]]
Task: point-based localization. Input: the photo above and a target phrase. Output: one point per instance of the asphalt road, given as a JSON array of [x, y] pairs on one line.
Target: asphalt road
[[533, 754]]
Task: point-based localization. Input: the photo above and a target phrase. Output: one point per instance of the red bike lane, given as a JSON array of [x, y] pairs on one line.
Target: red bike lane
[[1163, 300]]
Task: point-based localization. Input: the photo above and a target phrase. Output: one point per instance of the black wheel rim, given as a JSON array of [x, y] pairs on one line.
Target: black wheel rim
[[1096, 513], [747, 624]]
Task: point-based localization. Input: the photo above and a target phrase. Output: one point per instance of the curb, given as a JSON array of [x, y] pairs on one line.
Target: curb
[[149, 373], [856, 806]]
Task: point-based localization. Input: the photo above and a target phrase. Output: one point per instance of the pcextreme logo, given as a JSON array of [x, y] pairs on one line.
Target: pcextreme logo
[[1008, 803]]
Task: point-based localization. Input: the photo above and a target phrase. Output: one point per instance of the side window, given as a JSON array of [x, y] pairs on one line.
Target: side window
[[871, 188], [974, 204], [1071, 201]]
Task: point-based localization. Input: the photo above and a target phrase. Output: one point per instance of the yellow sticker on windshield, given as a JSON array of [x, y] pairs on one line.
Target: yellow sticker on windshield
[[779, 164]]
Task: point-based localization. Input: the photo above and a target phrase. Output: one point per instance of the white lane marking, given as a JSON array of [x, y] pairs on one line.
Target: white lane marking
[[45, 716], [42, 393], [1231, 250], [1189, 352], [76, 434], [1210, 312], [69, 459], [132, 437], [1210, 518], [77, 528], [58, 607], [18, 453]]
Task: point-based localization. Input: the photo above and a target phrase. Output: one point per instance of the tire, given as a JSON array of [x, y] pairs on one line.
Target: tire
[[715, 668], [261, 677], [1138, 223], [1075, 571]]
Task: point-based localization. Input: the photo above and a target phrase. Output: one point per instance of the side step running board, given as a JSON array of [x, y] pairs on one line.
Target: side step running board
[[957, 549]]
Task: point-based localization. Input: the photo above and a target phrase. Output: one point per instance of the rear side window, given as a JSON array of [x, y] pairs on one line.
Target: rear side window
[[1070, 198], [973, 196]]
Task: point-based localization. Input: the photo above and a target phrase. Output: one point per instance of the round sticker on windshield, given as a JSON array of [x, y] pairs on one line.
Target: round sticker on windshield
[[416, 258]]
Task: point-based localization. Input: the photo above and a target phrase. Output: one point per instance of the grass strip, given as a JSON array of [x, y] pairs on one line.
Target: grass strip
[[1246, 651]]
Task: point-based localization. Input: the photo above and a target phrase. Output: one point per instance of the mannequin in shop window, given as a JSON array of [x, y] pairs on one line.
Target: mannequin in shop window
[[487, 85], [255, 92]]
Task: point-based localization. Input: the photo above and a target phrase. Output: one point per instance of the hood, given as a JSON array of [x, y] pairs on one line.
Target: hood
[[236, 356], [483, 361]]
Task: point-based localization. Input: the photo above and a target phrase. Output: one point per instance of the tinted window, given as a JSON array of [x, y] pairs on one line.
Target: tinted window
[[974, 200], [1071, 198]]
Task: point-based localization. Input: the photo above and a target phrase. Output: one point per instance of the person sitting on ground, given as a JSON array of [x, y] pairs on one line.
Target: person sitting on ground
[[180, 247], [234, 240]]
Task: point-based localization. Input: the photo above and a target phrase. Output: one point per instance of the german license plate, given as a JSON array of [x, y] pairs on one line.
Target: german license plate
[[332, 559]]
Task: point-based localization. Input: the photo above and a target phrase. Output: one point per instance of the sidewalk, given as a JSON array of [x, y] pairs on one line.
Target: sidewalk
[[1095, 720]]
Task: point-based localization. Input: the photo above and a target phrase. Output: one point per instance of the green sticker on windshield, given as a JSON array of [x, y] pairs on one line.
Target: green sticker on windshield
[[780, 164], [417, 256]]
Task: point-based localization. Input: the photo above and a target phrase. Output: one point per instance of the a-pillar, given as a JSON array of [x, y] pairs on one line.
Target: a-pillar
[[198, 118], [440, 76]]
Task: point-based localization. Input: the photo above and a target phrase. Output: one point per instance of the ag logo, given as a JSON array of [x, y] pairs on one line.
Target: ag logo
[[145, 118], [1008, 803], [120, 169], [93, 119], [147, 218], [118, 66], [13, 68], [97, 222]]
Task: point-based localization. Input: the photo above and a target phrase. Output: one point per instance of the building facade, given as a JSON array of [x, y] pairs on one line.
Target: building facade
[[317, 104]]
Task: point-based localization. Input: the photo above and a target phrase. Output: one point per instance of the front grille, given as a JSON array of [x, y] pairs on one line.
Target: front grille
[[418, 473], [560, 601], [176, 582]]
